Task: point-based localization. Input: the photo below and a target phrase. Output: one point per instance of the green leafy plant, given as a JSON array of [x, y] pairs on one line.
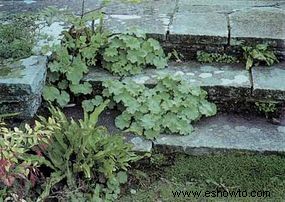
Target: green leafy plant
[[19, 160], [127, 54], [84, 47], [79, 50], [266, 107], [82, 149], [82, 160], [205, 57], [170, 106], [258, 54]]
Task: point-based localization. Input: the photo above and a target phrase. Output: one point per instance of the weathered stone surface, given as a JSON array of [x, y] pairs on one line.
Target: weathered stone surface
[[118, 7], [261, 23], [199, 28], [140, 144], [268, 82], [226, 133], [224, 6], [152, 17], [154, 26], [222, 82], [21, 86], [35, 5]]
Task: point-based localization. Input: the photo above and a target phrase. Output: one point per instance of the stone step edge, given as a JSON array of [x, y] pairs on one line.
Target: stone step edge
[[254, 136], [221, 81]]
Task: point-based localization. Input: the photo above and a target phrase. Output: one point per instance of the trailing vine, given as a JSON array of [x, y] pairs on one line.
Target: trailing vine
[[170, 106]]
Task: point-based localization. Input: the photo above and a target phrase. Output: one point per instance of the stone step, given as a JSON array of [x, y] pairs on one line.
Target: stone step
[[225, 133], [186, 26], [217, 134], [21, 85], [223, 82]]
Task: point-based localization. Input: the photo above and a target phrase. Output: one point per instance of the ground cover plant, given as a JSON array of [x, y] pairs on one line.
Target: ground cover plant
[[205, 57], [255, 55], [170, 106], [63, 159]]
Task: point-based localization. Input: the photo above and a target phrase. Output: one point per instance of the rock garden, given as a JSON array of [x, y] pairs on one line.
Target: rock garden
[[130, 100]]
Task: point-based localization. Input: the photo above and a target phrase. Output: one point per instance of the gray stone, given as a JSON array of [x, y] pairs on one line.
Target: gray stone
[[155, 26], [21, 86], [268, 82], [118, 7], [199, 28], [281, 129], [140, 144], [35, 5], [224, 6], [262, 23], [203, 140]]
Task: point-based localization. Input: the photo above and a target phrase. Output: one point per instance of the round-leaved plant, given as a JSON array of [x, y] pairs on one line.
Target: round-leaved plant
[[168, 107]]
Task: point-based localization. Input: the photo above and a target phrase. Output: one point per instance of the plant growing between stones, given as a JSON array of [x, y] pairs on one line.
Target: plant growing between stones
[[205, 57], [258, 54], [127, 54], [266, 107], [84, 47], [170, 106]]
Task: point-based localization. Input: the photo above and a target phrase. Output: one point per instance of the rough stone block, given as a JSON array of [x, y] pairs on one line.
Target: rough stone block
[[258, 23], [268, 82], [21, 85]]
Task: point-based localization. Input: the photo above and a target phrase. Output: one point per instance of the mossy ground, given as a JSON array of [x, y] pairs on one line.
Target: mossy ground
[[218, 172]]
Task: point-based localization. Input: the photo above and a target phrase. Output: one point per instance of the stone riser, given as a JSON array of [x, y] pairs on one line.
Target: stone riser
[[22, 94], [224, 83]]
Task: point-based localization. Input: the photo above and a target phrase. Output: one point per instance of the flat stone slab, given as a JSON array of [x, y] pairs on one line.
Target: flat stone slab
[[261, 23], [20, 6], [268, 82], [200, 28], [154, 26], [222, 82], [119, 7], [224, 133], [21, 84], [224, 6]]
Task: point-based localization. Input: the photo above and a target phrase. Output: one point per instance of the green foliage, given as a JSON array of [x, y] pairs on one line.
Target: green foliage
[[260, 53], [205, 57], [84, 47], [170, 106], [127, 54], [79, 50], [266, 107], [89, 162], [17, 36], [18, 166], [158, 159]]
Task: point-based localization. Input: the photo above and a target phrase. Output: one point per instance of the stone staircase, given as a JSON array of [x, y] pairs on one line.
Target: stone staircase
[[185, 26]]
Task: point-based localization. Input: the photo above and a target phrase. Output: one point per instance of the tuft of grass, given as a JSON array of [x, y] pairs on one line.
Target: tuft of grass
[[229, 172]]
